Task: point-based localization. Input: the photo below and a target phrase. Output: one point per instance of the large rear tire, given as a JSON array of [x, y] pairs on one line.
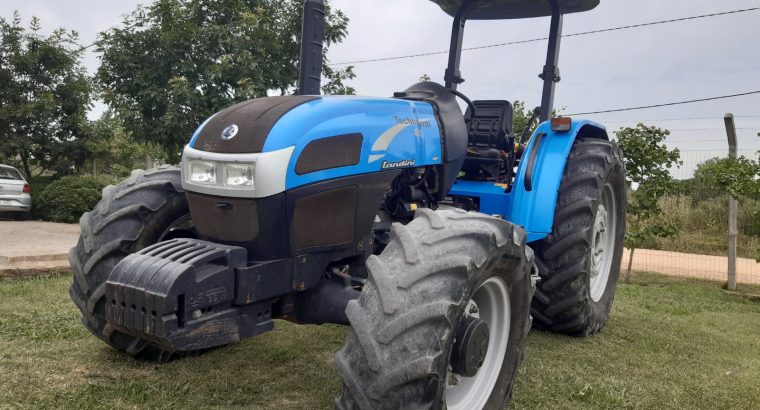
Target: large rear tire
[[420, 289], [131, 215], [579, 262]]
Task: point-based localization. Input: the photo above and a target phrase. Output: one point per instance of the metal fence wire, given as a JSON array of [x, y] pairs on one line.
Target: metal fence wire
[[699, 249]]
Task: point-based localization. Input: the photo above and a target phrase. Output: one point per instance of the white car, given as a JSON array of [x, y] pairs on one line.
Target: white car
[[14, 192]]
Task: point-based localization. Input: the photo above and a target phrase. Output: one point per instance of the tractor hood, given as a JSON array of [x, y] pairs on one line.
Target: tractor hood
[[298, 140], [515, 9]]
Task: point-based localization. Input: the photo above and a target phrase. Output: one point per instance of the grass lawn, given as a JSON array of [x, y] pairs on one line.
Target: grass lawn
[[670, 344]]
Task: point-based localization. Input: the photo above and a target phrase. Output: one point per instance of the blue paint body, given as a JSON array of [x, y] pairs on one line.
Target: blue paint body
[[533, 210], [416, 136], [331, 116]]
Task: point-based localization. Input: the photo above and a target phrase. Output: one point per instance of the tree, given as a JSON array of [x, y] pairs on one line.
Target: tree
[[521, 119], [647, 163], [44, 96], [737, 177], [111, 150], [334, 84], [172, 64]]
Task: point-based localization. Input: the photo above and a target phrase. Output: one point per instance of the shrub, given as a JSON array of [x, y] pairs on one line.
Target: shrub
[[38, 185], [66, 199], [749, 216]]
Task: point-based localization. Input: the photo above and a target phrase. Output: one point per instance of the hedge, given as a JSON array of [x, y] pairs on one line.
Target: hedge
[[66, 199]]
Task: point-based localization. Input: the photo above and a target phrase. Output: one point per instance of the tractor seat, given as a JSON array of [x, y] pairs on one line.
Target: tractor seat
[[489, 134]]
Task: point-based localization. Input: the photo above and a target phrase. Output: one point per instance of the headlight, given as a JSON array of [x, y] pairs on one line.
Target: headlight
[[238, 175], [202, 172]]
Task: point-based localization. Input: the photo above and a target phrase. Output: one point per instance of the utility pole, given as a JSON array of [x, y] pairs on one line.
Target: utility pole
[[732, 206]]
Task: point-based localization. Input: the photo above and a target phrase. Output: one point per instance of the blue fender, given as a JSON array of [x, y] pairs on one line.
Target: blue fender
[[534, 209]]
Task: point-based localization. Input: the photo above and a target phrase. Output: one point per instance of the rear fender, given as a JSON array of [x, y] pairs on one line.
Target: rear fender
[[534, 194]]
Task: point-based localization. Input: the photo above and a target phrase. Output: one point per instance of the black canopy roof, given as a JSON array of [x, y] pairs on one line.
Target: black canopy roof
[[515, 9]]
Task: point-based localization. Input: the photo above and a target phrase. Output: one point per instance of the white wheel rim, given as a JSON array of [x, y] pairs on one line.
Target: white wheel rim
[[493, 307], [603, 243]]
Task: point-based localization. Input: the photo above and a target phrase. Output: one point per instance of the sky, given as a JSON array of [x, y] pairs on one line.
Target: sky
[[641, 66]]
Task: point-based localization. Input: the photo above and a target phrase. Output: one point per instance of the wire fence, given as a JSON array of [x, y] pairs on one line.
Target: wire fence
[[699, 249]]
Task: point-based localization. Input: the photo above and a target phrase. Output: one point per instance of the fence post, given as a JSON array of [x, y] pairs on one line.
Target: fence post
[[732, 206]]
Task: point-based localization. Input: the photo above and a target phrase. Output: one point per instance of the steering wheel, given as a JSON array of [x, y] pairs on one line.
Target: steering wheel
[[469, 103]]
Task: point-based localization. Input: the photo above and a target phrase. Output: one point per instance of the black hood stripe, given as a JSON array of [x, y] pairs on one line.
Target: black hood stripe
[[254, 119]]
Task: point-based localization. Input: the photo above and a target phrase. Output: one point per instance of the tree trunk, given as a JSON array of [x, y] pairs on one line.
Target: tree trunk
[[25, 162], [630, 263]]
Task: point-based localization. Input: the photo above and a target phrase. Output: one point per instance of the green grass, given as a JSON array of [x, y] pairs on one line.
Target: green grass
[[669, 344]]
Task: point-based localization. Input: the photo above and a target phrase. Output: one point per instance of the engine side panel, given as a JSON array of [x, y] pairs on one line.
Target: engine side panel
[[395, 134]]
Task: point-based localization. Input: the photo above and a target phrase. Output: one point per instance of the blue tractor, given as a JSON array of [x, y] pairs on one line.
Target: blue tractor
[[438, 236]]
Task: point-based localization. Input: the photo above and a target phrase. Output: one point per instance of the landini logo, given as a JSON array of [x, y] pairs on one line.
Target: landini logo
[[399, 164]]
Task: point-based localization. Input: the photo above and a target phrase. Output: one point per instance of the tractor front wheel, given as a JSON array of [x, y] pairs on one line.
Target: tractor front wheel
[[147, 208], [579, 262], [443, 317]]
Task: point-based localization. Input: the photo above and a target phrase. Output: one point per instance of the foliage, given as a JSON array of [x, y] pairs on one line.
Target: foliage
[[334, 84], [703, 225], [66, 199], [111, 149], [521, 117], [172, 64], [44, 96], [737, 177], [734, 176], [647, 163], [38, 185], [694, 188]]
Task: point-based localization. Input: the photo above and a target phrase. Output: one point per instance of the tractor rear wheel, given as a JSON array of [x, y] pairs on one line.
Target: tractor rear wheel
[[134, 214], [442, 318], [579, 262]]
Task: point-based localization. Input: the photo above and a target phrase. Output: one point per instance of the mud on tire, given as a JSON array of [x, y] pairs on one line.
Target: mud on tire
[[398, 348], [563, 301], [130, 216]]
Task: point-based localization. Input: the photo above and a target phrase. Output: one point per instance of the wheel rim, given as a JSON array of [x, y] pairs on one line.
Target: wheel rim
[[603, 243], [492, 305]]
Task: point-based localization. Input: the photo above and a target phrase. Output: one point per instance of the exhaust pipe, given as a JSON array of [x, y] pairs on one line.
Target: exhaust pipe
[[312, 44]]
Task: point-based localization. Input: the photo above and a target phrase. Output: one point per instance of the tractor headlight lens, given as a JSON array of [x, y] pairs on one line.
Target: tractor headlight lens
[[202, 172], [238, 175]]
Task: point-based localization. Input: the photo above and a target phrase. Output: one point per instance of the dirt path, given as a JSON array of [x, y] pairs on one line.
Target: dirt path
[[32, 248], [35, 245], [692, 265], [30, 238]]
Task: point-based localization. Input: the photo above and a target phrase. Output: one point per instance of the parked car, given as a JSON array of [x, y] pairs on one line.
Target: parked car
[[15, 192]]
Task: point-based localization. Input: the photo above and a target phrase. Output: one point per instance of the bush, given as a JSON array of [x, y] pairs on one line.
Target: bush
[[749, 216], [66, 199], [38, 185]]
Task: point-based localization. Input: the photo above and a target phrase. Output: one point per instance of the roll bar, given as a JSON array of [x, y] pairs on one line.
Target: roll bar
[[549, 75]]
